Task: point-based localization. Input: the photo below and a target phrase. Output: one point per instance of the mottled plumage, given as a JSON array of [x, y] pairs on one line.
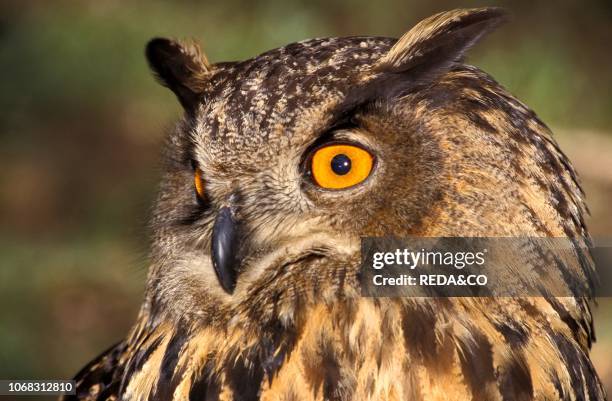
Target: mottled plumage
[[456, 155]]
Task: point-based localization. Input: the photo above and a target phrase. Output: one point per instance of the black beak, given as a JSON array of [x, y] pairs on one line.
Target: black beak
[[224, 249]]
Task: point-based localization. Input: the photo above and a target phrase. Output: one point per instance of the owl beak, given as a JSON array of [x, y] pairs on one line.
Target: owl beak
[[224, 248]]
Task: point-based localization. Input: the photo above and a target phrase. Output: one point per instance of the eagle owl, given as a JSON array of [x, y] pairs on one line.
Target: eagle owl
[[281, 164]]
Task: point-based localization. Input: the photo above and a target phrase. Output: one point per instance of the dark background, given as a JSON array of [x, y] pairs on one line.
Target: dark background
[[81, 124]]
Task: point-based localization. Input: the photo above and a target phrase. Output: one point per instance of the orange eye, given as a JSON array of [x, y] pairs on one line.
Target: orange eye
[[340, 166], [198, 183]]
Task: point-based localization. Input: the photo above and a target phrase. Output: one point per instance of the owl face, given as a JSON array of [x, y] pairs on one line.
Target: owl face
[[284, 161]]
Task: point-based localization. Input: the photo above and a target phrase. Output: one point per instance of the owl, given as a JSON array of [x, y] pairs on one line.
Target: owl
[[282, 163]]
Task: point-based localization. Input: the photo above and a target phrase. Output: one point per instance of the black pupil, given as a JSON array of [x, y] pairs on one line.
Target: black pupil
[[341, 164]]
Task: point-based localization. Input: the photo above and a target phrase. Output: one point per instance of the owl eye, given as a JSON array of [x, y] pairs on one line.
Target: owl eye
[[340, 166], [198, 182]]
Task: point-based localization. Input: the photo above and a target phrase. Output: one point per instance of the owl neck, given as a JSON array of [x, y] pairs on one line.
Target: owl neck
[[375, 347]]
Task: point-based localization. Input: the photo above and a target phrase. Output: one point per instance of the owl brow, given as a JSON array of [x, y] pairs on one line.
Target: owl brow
[[341, 119], [342, 115], [385, 86], [395, 84], [351, 105]]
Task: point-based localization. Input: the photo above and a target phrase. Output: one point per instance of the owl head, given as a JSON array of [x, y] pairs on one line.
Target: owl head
[[283, 162]]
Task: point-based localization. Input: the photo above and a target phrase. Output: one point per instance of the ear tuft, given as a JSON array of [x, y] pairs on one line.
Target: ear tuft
[[180, 66], [440, 40]]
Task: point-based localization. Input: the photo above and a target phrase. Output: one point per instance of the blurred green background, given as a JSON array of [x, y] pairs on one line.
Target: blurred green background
[[81, 124]]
